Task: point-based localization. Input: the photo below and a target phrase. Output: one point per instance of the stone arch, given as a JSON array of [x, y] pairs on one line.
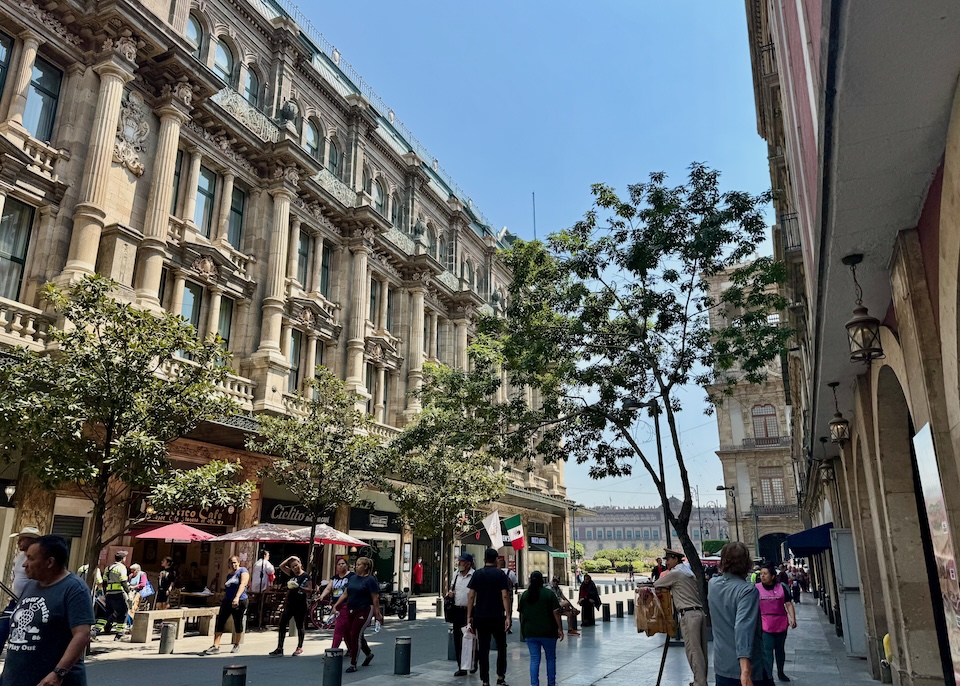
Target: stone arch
[[915, 639], [771, 547]]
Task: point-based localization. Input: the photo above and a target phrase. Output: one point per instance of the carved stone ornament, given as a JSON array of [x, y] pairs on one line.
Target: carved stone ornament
[[422, 276], [290, 174], [366, 233], [316, 211], [181, 90], [132, 132], [50, 21], [124, 46], [308, 317], [222, 143], [205, 267], [376, 352]]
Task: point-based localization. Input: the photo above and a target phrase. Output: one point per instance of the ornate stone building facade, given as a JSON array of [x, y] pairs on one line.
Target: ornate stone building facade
[[220, 160]]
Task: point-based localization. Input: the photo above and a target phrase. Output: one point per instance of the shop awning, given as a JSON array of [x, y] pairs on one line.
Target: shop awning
[[810, 541], [541, 548]]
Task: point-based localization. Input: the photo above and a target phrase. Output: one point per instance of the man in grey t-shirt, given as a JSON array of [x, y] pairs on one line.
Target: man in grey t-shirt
[[50, 627]]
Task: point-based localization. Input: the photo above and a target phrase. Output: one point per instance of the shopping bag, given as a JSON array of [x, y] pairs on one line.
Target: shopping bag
[[147, 590], [469, 649]]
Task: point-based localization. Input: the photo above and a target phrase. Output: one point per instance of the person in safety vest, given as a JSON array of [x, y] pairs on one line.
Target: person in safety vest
[[115, 589]]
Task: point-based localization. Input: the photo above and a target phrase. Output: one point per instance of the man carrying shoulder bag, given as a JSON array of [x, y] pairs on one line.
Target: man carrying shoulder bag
[[459, 593]]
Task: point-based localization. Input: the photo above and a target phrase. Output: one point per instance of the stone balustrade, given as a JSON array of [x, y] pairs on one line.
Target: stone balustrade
[[450, 281], [44, 157], [240, 261], [401, 240], [256, 121], [23, 325], [237, 388], [384, 431], [337, 188], [175, 231]]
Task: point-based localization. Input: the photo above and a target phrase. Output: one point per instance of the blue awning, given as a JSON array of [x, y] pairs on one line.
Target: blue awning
[[810, 541]]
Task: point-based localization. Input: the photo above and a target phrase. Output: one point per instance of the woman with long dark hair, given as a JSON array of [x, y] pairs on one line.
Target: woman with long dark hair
[[589, 601], [167, 581], [234, 605], [295, 606], [333, 590], [362, 600], [541, 626]]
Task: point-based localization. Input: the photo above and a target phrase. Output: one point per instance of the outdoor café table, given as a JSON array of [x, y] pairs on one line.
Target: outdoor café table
[[189, 599]]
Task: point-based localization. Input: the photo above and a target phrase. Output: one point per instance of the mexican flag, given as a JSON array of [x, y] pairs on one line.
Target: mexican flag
[[515, 532]]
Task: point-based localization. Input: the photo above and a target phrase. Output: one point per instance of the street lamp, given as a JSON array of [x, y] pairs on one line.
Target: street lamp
[[736, 514], [654, 407]]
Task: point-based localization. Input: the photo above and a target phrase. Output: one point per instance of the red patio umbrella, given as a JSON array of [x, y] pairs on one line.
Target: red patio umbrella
[[328, 535], [176, 532]]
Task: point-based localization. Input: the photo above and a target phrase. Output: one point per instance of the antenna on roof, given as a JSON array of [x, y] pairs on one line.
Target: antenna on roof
[[534, 194]]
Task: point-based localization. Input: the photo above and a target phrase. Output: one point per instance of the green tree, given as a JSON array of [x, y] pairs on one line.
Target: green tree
[[576, 551], [100, 412], [438, 478], [323, 456]]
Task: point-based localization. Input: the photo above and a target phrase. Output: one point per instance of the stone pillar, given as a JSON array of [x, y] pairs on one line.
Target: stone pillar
[[89, 214], [176, 300], [311, 359], [384, 295], [317, 263], [415, 347], [293, 252], [460, 357], [434, 334], [157, 220], [285, 340], [279, 244], [213, 314], [28, 55], [193, 179], [360, 295], [381, 399], [226, 199]]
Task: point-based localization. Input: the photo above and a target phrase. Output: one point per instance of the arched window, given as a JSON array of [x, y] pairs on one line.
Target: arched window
[[223, 63], [379, 198], [765, 427], [432, 241], [311, 140], [333, 159], [251, 87], [396, 211], [195, 34], [367, 183], [468, 274], [442, 251]]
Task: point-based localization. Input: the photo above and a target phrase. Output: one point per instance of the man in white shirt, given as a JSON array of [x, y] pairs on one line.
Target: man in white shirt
[[18, 576], [263, 574]]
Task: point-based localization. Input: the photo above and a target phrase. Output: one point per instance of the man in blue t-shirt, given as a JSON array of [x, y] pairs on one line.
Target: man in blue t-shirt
[[50, 627], [488, 614]]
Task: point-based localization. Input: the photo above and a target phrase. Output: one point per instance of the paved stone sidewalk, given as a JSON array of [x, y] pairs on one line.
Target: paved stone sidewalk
[[610, 654]]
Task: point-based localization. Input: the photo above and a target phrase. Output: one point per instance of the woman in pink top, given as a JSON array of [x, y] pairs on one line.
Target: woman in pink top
[[776, 614]]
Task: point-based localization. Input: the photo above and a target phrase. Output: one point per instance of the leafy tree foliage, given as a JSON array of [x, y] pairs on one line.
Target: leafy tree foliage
[[325, 455], [100, 412], [612, 313], [576, 551], [439, 476]]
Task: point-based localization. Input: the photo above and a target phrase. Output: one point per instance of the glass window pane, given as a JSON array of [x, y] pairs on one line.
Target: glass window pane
[[177, 171], [192, 298], [378, 198], [41, 107], [223, 63], [374, 299], [386, 399], [6, 46], [203, 215], [235, 223], [15, 228], [312, 140], [333, 163], [225, 323], [391, 302], [251, 88], [194, 34], [296, 340], [303, 258], [327, 256]]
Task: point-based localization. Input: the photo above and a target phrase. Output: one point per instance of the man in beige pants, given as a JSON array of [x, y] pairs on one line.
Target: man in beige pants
[[685, 590]]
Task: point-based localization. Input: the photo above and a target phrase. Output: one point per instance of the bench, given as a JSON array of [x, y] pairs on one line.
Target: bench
[[142, 631], [205, 617]]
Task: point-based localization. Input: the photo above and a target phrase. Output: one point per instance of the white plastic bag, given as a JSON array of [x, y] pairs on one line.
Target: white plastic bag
[[468, 652]]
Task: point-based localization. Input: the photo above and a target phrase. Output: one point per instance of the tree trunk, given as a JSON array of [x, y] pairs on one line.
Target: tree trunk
[[313, 535]]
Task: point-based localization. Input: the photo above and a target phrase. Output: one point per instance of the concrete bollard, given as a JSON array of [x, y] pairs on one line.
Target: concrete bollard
[[401, 655], [630, 606], [235, 675], [439, 607], [412, 610], [451, 647], [332, 666], [606, 612], [168, 636], [619, 609]]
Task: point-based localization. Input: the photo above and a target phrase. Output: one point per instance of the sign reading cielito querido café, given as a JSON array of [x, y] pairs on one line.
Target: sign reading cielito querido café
[[215, 515], [290, 512]]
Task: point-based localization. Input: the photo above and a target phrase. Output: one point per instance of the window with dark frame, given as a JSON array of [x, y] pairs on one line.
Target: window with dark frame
[[6, 47], [206, 195], [326, 257], [177, 171], [296, 346], [238, 204], [766, 430], [15, 229], [303, 258], [41, 108]]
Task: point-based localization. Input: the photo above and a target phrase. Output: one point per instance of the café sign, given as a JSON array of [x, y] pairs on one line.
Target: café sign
[[374, 520], [538, 540], [290, 512], [215, 515]]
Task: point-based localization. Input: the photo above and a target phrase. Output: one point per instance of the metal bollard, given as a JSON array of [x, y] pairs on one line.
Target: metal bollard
[[401, 655], [606, 612], [235, 675], [439, 607], [619, 609], [332, 666], [168, 635], [451, 647], [412, 610], [630, 606]]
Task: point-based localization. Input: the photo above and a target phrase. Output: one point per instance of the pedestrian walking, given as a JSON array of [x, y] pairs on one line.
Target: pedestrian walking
[[511, 582], [566, 607], [333, 590], [264, 573], [735, 615], [115, 589], [685, 589], [776, 614], [487, 615], [418, 576], [658, 569], [166, 582], [460, 593], [234, 604], [541, 626], [295, 605], [589, 601], [51, 624], [362, 600], [18, 576]]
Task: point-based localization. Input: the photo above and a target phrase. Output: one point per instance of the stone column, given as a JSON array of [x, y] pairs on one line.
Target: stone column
[[434, 333], [157, 220], [28, 55], [279, 244], [311, 358], [415, 348], [381, 399], [384, 295], [213, 314], [193, 179], [360, 296], [176, 300], [317, 263], [89, 215], [461, 344], [285, 340], [293, 245], [226, 199]]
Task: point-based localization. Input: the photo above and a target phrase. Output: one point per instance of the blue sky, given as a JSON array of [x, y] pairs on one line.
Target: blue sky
[[519, 97]]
